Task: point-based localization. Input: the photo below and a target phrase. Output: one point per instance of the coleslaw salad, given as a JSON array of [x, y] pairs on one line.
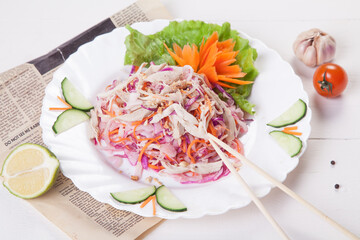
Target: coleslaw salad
[[158, 119]]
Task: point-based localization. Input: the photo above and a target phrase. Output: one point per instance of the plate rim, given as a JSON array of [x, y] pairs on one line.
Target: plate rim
[[174, 216]]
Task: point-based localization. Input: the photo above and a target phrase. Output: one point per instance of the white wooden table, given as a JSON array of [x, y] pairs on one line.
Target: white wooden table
[[30, 29]]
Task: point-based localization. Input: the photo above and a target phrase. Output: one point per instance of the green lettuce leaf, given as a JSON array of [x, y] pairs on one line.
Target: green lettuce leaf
[[146, 48], [141, 48]]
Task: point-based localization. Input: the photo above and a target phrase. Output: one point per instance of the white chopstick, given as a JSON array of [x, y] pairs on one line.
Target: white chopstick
[[249, 191], [284, 188]]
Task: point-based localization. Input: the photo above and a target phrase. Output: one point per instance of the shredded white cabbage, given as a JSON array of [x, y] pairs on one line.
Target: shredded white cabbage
[[158, 119]]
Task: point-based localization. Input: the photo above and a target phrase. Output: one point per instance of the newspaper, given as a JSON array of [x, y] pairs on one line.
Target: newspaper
[[21, 92]]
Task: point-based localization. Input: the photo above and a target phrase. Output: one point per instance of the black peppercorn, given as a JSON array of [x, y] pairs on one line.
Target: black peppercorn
[[337, 186]]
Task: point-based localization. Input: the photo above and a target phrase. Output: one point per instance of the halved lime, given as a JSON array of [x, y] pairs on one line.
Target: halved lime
[[29, 170]]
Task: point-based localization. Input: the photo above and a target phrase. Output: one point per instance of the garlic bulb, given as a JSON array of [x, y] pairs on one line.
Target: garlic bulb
[[314, 47]]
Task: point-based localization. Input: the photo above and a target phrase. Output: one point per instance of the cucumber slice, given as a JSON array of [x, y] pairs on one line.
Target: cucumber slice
[[74, 97], [294, 114], [68, 119], [168, 201], [134, 196], [290, 143]]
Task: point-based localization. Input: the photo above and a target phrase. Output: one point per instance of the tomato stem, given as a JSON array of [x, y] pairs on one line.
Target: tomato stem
[[324, 84]]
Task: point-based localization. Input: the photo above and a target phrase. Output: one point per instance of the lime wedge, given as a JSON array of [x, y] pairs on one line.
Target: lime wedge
[[29, 170]]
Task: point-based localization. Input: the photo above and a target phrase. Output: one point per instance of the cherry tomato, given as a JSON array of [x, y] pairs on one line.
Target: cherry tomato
[[330, 80]]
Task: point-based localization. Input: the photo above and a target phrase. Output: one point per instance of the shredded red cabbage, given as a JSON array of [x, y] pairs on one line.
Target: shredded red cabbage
[[170, 136]]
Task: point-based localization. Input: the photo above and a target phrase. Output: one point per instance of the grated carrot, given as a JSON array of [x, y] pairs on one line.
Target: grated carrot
[[183, 145], [146, 201], [59, 108], [169, 158], [238, 144], [290, 128], [221, 127], [111, 114], [146, 145], [208, 102], [120, 140], [151, 198], [155, 167], [115, 131], [153, 205], [189, 149], [149, 156], [139, 139], [212, 129], [63, 101], [292, 132], [194, 174], [144, 119]]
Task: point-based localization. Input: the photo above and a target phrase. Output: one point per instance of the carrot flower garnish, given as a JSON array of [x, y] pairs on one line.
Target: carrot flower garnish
[[214, 60]]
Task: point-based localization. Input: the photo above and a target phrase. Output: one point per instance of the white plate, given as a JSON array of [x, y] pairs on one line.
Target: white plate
[[98, 63]]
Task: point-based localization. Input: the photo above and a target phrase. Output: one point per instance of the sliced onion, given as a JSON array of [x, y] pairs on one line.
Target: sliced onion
[[216, 121], [231, 100], [121, 155], [138, 170], [187, 139], [166, 145], [131, 87], [167, 69], [150, 109], [202, 151], [207, 177], [132, 69], [144, 162], [132, 157], [191, 102]]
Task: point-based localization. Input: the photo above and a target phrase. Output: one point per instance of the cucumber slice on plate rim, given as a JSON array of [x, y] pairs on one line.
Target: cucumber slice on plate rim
[[292, 115], [134, 196], [167, 200], [68, 119], [290, 143], [74, 97]]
